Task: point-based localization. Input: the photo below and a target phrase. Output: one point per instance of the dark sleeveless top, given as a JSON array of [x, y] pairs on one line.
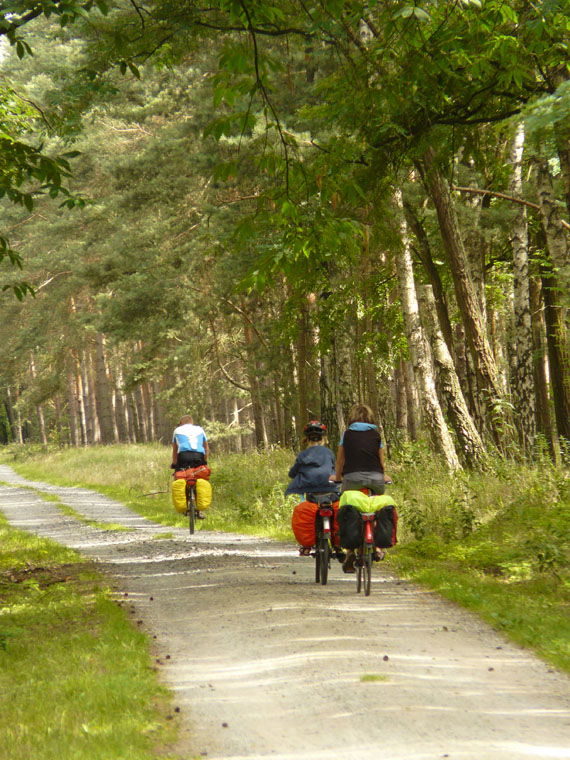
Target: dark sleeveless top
[[361, 451]]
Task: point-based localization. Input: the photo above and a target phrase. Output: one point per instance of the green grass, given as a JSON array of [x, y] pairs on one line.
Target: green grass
[[75, 677], [496, 542], [373, 678]]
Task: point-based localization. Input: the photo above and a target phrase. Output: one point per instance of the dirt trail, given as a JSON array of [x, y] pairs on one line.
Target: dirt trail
[[265, 664]]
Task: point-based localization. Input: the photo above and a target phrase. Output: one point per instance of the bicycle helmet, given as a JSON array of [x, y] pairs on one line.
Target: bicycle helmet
[[315, 428]]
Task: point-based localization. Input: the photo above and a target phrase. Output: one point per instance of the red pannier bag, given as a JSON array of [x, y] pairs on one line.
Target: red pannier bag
[[303, 523], [193, 473]]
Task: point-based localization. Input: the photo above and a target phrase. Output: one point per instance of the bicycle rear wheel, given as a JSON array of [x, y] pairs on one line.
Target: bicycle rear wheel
[[191, 507], [323, 549], [367, 569]]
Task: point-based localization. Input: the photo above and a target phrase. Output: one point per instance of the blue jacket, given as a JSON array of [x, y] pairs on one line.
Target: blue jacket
[[312, 470]]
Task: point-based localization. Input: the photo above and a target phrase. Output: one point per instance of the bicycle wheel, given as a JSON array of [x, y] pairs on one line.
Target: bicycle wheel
[[318, 559], [359, 570], [323, 549], [367, 569], [191, 507]]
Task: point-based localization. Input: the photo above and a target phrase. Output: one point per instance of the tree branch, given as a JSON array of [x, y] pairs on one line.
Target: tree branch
[[511, 198]]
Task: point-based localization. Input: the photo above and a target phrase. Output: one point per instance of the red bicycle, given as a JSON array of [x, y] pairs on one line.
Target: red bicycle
[[324, 530]]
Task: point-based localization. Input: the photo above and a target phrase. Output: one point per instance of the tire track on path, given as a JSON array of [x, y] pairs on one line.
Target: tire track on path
[[265, 664]]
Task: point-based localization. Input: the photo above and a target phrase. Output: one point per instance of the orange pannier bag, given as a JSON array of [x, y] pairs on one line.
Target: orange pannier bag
[[193, 473], [303, 523]]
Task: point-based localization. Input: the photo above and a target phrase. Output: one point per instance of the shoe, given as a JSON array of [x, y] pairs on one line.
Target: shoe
[[340, 555], [379, 554], [304, 551], [348, 564], [200, 515]]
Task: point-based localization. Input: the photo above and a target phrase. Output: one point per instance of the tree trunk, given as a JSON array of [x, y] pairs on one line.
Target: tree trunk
[[424, 252], [141, 415], [39, 409], [412, 401], [448, 385], [328, 402], [557, 353], [523, 377], [14, 417], [254, 373], [400, 403], [540, 367], [557, 238], [466, 296], [103, 393], [556, 295], [73, 403], [419, 351]]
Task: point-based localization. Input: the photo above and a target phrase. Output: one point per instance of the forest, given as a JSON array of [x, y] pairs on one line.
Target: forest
[[262, 212]]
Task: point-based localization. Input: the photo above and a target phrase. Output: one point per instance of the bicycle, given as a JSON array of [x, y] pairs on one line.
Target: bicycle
[[367, 553], [324, 530]]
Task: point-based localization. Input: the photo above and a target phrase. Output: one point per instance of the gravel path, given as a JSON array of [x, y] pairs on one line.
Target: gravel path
[[263, 663]]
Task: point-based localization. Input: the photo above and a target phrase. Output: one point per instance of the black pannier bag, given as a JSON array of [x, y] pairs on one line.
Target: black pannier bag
[[350, 527], [385, 527]]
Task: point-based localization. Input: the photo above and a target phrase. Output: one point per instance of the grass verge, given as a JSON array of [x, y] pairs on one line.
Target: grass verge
[[75, 677]]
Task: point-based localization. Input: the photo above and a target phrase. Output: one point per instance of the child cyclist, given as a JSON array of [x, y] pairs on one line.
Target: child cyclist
[[312, 473]]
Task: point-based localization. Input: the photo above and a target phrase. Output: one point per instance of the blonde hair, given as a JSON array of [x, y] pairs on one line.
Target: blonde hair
[[186, 419], [361, 413]]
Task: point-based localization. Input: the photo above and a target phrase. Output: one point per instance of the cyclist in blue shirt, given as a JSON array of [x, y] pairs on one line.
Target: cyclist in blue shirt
[[189, 445]]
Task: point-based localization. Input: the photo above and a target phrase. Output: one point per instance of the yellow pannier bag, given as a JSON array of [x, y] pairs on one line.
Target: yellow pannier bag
[[203, 494], [356, 499], [179, 495]]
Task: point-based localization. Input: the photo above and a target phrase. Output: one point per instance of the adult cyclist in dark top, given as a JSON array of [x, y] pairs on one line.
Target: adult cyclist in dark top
[[360, 455], [360, 462]]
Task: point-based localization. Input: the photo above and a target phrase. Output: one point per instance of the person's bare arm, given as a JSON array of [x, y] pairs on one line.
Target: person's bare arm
[[339, 463], [174, 452], [387, 478], [206, 449]]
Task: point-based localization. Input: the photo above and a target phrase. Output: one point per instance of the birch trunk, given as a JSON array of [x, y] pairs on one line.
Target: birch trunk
[[419, 351], [424, 252], [523, 377], [448, 384]]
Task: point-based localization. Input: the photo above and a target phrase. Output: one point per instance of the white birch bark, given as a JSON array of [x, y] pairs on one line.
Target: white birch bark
[[523, 369], [419, 350]]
